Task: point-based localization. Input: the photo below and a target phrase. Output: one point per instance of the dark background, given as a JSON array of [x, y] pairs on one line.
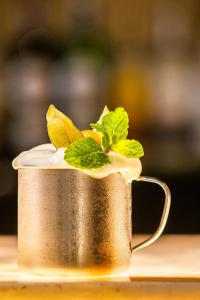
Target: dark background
[[80, 55]]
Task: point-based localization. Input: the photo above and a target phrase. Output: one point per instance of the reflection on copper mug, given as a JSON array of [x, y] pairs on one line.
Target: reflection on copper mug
[[73, 224]]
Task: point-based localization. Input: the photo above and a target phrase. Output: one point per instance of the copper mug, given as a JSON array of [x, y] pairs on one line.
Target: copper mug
[[72, 224]]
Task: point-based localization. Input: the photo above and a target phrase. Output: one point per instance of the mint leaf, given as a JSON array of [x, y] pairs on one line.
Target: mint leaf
[[86, 154], [106, 141], [114, 128], [105, 138], [129, 148], [97, 127], [114, 124]]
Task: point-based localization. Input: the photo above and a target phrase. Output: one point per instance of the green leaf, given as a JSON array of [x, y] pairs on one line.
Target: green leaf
[[105, 138], [106, 141], [129, 148], [114, 124], [86, 154], [97, 127]]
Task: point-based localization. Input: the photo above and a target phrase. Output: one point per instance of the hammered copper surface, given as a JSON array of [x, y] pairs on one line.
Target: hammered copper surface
[[72, 223]]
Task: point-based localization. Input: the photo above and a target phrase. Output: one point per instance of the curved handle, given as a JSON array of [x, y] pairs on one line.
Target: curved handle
[[164, 217]]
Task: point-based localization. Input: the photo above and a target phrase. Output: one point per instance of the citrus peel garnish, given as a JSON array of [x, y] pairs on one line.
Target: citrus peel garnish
[[92, 134], [61, 130]]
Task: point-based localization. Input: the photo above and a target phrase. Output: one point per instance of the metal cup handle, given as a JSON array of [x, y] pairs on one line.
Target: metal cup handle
[[164, 216]]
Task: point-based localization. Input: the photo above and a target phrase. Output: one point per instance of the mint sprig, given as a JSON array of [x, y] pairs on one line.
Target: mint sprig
[[86, 154], [114, 126], [129, 148]]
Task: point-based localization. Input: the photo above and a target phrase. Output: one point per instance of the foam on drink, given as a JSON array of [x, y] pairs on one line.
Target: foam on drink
[[46, 156]]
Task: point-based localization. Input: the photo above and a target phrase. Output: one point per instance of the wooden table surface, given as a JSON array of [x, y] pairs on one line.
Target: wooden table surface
[[169, 269]]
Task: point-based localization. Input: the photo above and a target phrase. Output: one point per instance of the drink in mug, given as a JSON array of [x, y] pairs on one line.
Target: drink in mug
[[76, 220]]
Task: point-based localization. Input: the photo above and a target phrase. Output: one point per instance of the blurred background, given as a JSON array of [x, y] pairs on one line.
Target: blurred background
[[82, 54]]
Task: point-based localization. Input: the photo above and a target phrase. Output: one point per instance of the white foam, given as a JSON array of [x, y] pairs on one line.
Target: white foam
[[48, 157]]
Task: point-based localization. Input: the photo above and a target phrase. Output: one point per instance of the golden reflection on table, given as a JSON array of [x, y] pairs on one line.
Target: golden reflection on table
[[169, 269]]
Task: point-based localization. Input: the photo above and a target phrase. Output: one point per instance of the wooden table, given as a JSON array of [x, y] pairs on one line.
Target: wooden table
[[169, 269]]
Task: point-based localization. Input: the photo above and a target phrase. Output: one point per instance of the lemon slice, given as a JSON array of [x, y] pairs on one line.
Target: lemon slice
[[92, 134], [61, 130]]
